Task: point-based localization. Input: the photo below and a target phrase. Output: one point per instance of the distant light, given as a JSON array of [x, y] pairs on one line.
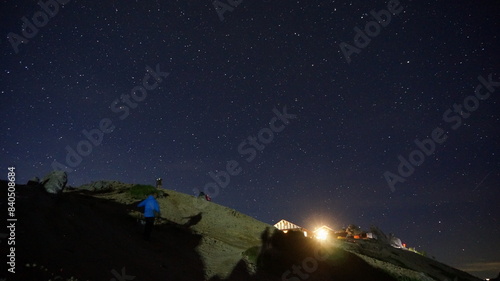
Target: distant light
[[321, 234]]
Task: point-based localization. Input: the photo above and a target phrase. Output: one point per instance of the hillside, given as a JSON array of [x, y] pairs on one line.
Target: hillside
[[89, 234]]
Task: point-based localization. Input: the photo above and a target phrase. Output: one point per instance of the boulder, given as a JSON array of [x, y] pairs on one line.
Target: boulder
[[55, 182], [396, 242]]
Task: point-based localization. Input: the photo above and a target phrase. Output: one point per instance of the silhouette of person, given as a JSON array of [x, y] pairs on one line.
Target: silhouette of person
[[151, 209]]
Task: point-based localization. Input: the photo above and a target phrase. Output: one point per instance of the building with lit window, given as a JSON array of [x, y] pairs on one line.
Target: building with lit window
[[287, 226], [324, 232]]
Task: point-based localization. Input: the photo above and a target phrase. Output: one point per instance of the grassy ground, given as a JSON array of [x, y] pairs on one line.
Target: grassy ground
[[94, 235]]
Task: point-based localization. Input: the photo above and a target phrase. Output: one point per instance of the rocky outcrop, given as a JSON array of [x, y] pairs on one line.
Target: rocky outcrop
[[381, 237], [55, 182], [99, 185]]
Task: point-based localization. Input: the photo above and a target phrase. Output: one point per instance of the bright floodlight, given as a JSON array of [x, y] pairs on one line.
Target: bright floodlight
[[321, 234]]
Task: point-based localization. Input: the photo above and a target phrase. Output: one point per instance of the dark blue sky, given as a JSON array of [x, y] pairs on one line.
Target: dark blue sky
[[227, 78]]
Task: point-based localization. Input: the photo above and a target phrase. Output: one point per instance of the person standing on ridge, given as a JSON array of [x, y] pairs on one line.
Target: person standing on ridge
[[151, 210], [158, 183]]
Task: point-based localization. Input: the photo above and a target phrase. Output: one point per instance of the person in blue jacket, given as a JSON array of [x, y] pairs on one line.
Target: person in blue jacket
[[151, 209]]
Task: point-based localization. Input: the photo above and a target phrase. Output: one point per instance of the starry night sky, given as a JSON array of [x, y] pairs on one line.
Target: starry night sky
[[226, 80]]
